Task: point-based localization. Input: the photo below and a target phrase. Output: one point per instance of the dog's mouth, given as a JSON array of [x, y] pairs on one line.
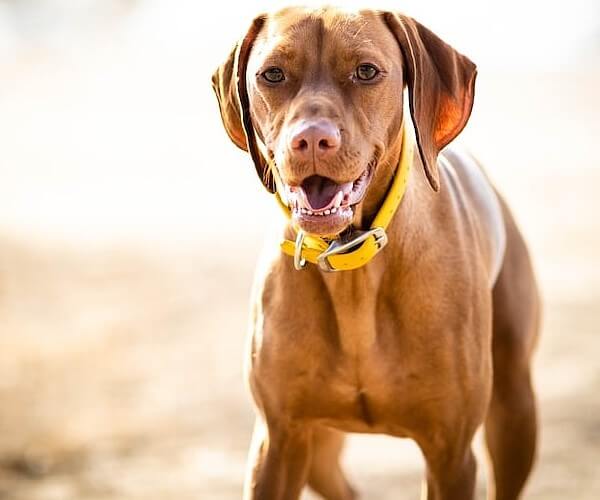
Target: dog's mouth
[[322, 206]]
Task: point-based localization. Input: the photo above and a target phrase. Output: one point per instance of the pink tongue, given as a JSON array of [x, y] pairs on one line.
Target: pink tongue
[[319, 191]]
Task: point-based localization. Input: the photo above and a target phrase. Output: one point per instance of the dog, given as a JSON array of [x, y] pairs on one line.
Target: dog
[[428, 337]]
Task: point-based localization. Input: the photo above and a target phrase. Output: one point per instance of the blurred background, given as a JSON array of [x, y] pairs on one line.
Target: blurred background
[[130, 225]]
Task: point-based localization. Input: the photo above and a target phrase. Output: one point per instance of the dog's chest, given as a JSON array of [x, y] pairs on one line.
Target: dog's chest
[[364, 384], [354, 306], [345, 361], [353, 353]]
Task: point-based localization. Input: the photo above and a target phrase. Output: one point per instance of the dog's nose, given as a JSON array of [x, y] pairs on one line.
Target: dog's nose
[[315, 139]]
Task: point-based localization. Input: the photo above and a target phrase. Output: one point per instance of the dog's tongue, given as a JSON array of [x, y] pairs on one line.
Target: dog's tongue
[[320, 191]]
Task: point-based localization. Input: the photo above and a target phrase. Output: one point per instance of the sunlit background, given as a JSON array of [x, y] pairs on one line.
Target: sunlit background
[[129, 228]]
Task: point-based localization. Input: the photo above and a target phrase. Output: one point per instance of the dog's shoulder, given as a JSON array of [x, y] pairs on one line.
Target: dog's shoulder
[[471, 185]]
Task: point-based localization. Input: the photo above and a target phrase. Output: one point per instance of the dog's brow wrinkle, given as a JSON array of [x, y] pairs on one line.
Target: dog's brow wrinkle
[[283, 52], [360, 28]]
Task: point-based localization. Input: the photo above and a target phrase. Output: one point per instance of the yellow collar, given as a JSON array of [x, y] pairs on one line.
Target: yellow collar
[[364, 245]]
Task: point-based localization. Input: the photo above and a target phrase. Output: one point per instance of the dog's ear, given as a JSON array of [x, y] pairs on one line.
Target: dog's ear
[[441, 86], [229, 84]]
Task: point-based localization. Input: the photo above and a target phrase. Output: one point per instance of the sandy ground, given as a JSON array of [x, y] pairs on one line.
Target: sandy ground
[[123, 299]]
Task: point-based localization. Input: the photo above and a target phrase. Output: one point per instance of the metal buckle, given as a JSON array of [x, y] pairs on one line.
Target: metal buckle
[[336, 247], [299, 262]]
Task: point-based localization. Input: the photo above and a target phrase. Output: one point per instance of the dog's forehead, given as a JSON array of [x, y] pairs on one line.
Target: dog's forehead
[[296, 29]]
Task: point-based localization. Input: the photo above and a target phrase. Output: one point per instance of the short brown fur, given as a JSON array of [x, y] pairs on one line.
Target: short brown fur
[[431, 339]]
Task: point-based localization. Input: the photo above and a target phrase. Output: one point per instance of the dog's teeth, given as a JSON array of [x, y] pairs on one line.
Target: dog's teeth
[[327, 212], [333, 210], [339, 196], [309, 212]]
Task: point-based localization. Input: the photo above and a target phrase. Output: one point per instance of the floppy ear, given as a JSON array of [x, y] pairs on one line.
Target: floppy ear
[[229, 84], [441, 86]]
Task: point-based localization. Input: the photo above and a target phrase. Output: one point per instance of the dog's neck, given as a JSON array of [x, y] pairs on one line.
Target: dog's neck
[[411, 223], [380, 185], [417, 192]]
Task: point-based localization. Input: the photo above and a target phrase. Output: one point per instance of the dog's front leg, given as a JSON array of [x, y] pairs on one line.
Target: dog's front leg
[[451, 471], [278, 463]]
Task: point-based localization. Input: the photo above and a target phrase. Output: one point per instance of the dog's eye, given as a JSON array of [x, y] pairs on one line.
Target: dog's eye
[[273, 75], [366, 72]]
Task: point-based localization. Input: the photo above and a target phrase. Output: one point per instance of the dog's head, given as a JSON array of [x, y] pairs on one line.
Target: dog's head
[[316, 96]]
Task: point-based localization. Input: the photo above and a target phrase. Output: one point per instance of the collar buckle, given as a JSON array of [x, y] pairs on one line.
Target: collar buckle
[[337, 247], [299, 261]]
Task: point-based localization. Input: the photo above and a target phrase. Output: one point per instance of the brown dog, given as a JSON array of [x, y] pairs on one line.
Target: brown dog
[[430, 339]]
